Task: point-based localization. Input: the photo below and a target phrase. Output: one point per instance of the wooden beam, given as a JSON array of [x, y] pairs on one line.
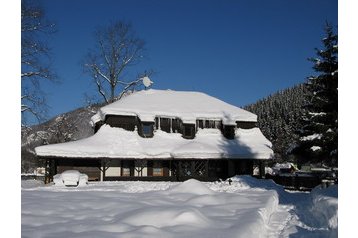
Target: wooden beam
[[261, 169]]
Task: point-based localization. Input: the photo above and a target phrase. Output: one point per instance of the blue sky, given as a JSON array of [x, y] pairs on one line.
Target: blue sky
[[238, 51]]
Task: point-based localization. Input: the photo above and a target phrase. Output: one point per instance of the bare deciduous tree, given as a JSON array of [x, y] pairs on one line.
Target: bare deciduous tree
[[116, 48], [35, 60]]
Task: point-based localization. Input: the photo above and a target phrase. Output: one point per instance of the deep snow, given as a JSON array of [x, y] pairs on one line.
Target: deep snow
[[247, 208]]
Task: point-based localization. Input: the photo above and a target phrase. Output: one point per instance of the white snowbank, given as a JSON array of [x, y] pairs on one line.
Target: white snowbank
[[325, 206], [188, 106], [118, 143], [188, 209]]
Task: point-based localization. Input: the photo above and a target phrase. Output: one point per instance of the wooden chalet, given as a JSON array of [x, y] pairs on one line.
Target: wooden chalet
[[164, 135]]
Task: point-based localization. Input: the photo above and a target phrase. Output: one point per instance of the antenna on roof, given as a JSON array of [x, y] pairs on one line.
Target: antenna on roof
[[147, 82]]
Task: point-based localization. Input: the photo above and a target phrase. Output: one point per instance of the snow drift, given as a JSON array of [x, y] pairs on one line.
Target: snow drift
[[325, 206]]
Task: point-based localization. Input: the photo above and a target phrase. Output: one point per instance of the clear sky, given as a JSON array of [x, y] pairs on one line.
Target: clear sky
[[238, 51]]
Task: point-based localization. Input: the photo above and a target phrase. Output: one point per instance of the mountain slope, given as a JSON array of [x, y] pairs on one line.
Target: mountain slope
[[73, 125], [279, 117]]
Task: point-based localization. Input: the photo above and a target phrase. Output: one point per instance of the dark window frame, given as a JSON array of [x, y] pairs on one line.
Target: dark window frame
[[146, 129], [189, 131]]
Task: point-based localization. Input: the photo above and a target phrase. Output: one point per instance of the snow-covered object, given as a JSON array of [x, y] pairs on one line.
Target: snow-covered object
[[188, 106], [283, 166], [268, 170], [311, 137], [316, 148], [111, 142], [70, 178]]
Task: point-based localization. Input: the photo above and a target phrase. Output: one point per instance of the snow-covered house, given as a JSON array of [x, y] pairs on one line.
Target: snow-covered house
[[164, 135]]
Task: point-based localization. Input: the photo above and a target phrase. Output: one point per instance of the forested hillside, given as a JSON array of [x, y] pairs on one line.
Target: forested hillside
[[279, 116]]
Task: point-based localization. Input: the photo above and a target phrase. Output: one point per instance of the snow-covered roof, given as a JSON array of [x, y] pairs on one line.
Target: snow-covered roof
[[111, 142], [188, 106]]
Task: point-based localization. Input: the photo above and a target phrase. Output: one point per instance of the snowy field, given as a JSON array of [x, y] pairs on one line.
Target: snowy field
[[246, 208]]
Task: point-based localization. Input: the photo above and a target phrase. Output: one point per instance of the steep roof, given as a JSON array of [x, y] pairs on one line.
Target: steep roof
[[111, 142], [187, 106]]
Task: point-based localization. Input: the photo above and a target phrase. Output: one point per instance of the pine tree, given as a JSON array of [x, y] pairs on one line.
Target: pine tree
[[318, 140]]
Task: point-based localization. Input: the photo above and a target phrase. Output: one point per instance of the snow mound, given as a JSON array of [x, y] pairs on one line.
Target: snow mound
[[325, 206], [248, 182], [192, 186], [168, 217]]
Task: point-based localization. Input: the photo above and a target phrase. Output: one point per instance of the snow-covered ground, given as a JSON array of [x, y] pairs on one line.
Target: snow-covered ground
[[246, 208]]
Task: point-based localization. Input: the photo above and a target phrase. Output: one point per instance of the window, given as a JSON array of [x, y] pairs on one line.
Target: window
[[165, 124], [176, 125], [246, 124], [186, 168], [200, 124], [157, 168], [229, 132], [208, 124], [126, 170], [189, 131], [147, 130], [125, 122]]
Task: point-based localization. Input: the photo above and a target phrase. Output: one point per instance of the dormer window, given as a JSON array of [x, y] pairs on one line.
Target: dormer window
[[146, 129], [246, 124], [229, 131], [201, 123], [188, 131], [169, 125]]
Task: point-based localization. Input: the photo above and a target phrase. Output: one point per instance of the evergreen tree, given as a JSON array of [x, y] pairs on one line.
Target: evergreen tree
[[318, 140]]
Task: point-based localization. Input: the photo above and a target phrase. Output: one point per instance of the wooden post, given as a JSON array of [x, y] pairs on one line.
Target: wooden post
[[231, 168], [261, 169], [47, 171], [103, 170], [179, 170]]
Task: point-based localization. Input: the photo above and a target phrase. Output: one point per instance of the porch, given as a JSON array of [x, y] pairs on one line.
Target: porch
[[104, 169]]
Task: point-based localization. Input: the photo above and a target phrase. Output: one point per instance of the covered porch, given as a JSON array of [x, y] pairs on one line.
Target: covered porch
[[105, 169]]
